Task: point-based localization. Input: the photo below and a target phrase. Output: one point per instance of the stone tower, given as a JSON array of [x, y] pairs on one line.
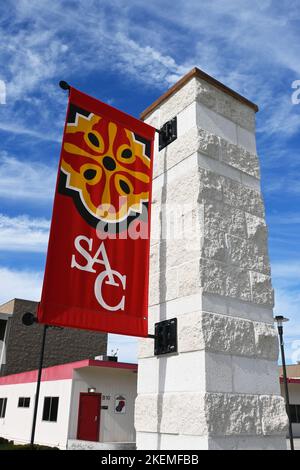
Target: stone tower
[[210, 269]]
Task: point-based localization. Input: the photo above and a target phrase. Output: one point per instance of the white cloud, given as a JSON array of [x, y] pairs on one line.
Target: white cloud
[[20, 284], [23, 179], [23, 233], [236, 41], [287, 270]]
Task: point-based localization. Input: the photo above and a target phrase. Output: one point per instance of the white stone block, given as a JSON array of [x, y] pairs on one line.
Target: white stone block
[[176, 307], [246, 139], [145, 348], [163, 286], [261, 288], [222, 279], [150, 441], [247, 443], [232, 414], [178, 101], [248, 254], [273, 413], [176, 152], [251, 182], [220, 216], [243, 198], [157, 375], [228, 335], [188, 278], [239, 158], [254, 376], [216, 124], [190, 336], [266, 341], [236, 308], [218, 370], [183, 413], [186, 119], [147, 412]]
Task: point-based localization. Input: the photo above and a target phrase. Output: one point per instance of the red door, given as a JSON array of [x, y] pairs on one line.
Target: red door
[[89, 417]]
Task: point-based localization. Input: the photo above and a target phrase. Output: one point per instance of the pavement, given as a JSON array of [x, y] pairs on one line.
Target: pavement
[[296, 443]]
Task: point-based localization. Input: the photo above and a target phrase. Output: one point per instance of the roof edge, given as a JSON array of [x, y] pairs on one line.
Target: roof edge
[[195, 72]]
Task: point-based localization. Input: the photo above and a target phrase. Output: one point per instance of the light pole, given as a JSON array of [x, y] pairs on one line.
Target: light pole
[[29, 319], [280, 320]]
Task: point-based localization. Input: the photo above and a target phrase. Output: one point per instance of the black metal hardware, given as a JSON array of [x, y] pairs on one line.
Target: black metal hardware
[[28, 319], [280, 319], [165, 337], [64, 85], [168, 133]]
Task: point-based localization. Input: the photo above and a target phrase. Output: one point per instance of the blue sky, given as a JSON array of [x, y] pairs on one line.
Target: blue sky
[[127, 53]]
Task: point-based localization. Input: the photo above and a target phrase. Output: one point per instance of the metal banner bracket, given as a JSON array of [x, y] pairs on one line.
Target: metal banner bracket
[[167, 133], [165, 337]]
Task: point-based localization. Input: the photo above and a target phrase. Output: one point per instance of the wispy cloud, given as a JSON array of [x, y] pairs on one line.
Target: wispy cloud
[[234, 40], [23, 233], [26, 179], [20, 284]]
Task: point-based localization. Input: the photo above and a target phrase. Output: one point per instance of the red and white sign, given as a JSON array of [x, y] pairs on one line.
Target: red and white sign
[[97, 266]]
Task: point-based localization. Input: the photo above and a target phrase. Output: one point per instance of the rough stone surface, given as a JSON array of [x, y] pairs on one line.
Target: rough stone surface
[[178, 101], [225, 105], [222, 279], [221, 333], [262, 291], [246, 443], [266, 341], [228, 335], [240, 158], [220, 216], [247, 254], [190, 337], [212, 414], [225, 269], [232, 414], [241, 197], [274, 418], [199, 140]]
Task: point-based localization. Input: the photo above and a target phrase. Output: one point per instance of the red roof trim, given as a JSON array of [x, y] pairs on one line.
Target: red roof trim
[[291, 380], [62, 372]]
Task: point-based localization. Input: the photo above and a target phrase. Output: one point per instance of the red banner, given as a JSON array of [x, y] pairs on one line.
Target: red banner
[[97, 265]]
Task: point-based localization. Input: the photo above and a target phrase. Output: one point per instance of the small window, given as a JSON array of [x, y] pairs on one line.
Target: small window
[[24, 402], [2, 329], [3, 402], [50, 408], [295, 413], [298, 413]]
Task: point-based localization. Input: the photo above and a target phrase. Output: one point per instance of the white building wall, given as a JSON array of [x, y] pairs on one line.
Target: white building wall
[[17, 423], [114, 427]]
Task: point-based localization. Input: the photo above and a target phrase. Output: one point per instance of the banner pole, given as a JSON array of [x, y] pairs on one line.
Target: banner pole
[[38, 385], [65, 86]]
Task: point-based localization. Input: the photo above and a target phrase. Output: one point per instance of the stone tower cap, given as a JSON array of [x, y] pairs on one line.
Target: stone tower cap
[[197, 73]]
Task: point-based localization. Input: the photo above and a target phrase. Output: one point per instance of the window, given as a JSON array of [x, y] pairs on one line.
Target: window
[[3, 402], [50, 408], [24, 402], [2, 329], [295, 413]]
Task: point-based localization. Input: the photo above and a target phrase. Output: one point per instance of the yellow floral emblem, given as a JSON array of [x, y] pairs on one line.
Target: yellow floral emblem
[[106, 165]]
